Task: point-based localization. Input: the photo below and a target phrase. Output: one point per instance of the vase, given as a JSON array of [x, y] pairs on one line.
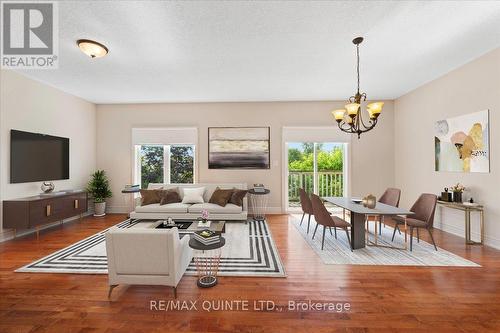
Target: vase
[[47, 187], [457, 197], [99, 209], [370, 201]]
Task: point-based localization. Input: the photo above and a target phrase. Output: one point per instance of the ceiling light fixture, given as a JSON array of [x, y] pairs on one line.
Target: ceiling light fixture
[[352, 122], [92, 48]]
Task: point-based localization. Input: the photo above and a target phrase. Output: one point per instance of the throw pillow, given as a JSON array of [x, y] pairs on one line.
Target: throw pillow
[[221, 197], [149, 197], [237, 197], [193, 195], [169, 196]]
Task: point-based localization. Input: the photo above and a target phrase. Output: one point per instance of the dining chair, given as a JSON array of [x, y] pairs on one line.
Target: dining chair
[[306, 205], [323, 217], [423, 217], [390, 197]]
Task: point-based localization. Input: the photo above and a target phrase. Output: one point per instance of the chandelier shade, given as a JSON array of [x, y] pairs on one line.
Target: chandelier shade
[[350, 119]]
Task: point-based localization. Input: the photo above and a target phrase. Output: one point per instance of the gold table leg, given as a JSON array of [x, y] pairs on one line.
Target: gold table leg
[[482, 226]]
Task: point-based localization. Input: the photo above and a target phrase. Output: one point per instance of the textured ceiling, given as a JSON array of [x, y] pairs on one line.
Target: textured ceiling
[[264, 51]]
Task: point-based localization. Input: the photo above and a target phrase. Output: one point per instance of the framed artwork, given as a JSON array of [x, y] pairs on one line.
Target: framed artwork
[[238, 147], [462, 143]]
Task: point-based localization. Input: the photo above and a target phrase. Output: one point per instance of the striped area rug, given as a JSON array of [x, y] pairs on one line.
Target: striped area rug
[[337, 251], [249, 251]]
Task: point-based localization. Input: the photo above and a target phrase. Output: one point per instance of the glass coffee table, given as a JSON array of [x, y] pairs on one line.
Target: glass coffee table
[[190, 226]]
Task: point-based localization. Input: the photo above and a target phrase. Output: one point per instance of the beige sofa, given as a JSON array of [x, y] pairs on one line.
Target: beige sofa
[[193, 211], [146, 256]]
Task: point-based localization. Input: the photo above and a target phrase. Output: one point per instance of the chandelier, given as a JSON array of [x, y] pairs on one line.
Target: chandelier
[[350, 119]]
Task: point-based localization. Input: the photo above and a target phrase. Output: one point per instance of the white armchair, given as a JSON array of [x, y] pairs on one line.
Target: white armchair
[[146, 256]]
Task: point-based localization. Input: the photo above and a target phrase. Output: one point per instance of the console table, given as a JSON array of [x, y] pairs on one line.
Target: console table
[[467, 209], [32, 212]]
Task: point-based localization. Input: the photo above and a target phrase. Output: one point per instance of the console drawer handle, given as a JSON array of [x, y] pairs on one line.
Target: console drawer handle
[[48, 210], [76, 203]]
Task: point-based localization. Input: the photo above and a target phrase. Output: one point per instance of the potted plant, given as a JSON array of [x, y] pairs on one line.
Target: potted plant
[[98, 188], [457, 190]]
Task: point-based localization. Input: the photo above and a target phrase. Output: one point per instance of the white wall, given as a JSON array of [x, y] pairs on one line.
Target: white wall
[[372, 155], [473, 87], [35, 107]]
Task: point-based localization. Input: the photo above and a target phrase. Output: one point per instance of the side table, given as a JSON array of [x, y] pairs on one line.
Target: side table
[[467, 209], [207, 261], [129, 201], [259, 202]]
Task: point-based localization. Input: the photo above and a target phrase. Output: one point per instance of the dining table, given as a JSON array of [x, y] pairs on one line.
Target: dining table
[[359, 214]]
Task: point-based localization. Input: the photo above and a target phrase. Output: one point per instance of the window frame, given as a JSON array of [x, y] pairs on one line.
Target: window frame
[[166, 162]]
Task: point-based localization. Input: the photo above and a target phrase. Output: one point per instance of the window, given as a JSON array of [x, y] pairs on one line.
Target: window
[[164, 164], [317, 167]]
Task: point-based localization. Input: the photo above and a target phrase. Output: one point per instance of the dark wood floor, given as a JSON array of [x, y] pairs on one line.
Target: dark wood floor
[[382, 298]]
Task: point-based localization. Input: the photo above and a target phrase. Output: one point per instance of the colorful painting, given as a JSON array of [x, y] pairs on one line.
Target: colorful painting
[[462, 143], [238, 147]]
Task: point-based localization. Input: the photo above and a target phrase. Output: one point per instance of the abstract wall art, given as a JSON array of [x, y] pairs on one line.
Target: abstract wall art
[[238, 147], [462, 143]]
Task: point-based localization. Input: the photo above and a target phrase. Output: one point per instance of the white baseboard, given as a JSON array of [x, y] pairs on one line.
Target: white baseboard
[[459, 231], [8, 234]]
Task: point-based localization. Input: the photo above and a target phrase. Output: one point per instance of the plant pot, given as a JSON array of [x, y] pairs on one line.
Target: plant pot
[[457, 197], [99, 208]]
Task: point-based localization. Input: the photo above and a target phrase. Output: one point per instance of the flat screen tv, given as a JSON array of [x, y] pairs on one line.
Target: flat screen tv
[[38, 157]]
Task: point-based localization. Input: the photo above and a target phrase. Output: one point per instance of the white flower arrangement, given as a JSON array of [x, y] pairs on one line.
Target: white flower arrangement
[[458, 188]]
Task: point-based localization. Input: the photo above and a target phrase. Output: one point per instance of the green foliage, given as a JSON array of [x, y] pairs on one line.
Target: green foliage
[[181, 164], [304, 161], [151, 165], [98, 186]]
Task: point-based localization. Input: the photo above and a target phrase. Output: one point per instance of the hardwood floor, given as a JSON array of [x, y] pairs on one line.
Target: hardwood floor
[[381, 298]]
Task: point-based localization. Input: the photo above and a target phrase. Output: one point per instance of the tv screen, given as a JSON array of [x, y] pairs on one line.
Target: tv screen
[[38, 157]]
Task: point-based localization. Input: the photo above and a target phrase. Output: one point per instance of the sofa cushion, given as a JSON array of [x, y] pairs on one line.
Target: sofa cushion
[[177, 207], [193, 195], [214, 208], [237, 197], [149, 197], [169, 196], [221, 197]]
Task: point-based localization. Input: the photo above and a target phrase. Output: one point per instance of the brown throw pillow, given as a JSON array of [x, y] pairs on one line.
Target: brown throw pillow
[[169, 196], [149, 197], [221, 197], [237, 197]]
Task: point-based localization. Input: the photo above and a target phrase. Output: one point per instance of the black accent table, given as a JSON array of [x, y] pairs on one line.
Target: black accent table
[[207, 263]]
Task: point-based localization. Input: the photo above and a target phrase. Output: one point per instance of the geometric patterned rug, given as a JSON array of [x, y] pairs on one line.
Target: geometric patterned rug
[[338, 252], [249, 251]]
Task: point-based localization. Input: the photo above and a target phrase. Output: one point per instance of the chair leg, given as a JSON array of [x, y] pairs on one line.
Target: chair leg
[[418, 235], [432, 238], [175, 292], [308, 222], [411, 238], [302, 219], [379, 227], [335, 229], [111, 287], [348, 239], [394, 233], [323, 240], [330, 228], [314, 233]]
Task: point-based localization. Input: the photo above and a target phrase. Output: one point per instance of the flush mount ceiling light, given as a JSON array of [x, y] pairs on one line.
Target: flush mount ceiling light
[[92, 48], [352, 122]]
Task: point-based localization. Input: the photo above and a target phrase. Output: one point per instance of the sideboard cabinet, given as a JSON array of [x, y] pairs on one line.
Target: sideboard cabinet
[[32, 212]]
